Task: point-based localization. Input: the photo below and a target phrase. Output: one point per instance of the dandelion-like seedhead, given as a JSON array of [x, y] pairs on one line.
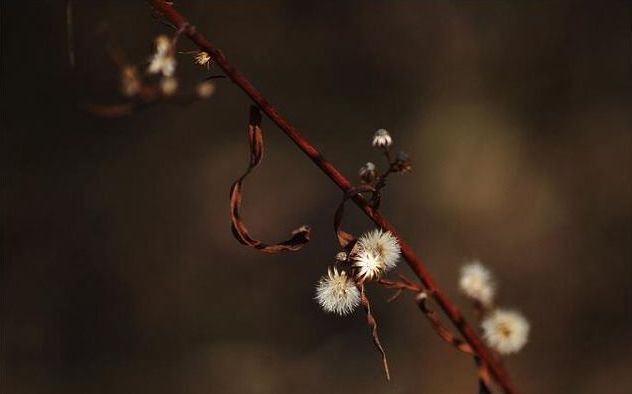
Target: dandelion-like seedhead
[[505, 331], [202, 58], [368, 265], [477, 283], [382, 139], [337, 292], [381, 244]]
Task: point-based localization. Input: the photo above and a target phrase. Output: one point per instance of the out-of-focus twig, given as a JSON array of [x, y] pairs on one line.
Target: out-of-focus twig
[[70, 40]]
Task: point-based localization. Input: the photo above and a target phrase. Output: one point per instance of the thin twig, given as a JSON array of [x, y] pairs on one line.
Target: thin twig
[[372, 323], [451, 311], [70, 40]]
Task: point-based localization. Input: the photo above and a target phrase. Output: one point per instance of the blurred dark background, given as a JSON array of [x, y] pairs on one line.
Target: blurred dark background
[[119, 271]]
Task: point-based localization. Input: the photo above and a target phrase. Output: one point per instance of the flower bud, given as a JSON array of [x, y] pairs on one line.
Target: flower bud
[[368, 172], [402, 163], [341, 257], [382, 139]]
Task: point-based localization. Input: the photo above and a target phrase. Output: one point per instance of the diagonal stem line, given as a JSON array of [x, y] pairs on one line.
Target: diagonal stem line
[[343, 183]]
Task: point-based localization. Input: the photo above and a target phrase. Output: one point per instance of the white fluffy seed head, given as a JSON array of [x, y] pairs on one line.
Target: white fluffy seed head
[[381, 244], [337, 293], [382, 139], [368, 265], [476, 282], [505, 331]]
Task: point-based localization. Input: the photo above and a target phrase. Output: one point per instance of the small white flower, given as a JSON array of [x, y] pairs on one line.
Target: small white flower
[[381, 244], [368, 172], [369, 266], [337, 293], [476, 282], [162, 62], [205, 89], [382, 139], [168, 85], [505, 331]]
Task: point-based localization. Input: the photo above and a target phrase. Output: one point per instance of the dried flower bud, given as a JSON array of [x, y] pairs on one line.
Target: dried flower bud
[[168, 85], [368, 172], [205, 89], [402, 163], [130, 82], [382, 139], [202, 58], [341, 257]]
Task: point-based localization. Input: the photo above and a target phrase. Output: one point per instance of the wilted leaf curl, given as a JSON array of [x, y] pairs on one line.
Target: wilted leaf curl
[[300, 236]]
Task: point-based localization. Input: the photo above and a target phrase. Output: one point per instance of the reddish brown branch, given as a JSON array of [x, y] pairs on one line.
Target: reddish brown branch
[[343, 183]]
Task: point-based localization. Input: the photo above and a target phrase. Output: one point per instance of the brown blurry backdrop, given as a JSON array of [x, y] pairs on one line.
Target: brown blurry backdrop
[[119, 271]]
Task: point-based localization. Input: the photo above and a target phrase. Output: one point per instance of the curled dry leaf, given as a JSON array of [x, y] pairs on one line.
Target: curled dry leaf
[[300, 236]]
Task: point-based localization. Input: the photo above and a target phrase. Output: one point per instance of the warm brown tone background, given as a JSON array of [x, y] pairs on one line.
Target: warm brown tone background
[[119, 271]]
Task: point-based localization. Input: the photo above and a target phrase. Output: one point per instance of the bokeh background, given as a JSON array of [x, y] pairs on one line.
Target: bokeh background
[[119, 271]]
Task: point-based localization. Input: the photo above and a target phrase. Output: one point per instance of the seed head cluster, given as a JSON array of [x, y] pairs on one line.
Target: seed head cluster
[[504, 331], [375, 253]]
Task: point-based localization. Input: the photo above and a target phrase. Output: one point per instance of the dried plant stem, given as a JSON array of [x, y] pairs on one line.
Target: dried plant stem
[[343, 183], [372, 323], [421, 299]]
